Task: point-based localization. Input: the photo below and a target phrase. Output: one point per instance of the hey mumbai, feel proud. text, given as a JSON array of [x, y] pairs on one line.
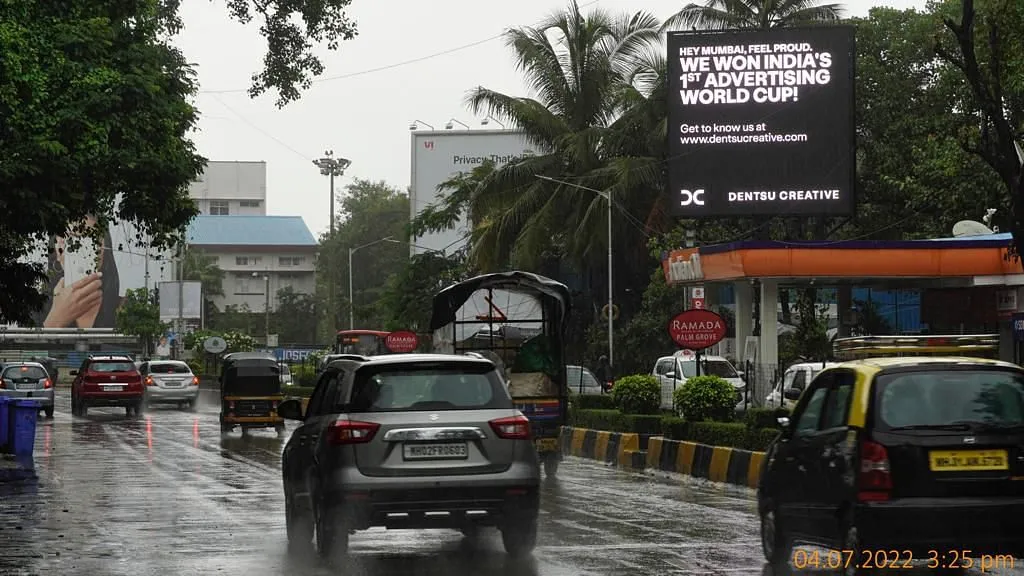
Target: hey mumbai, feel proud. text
[[760, 73]]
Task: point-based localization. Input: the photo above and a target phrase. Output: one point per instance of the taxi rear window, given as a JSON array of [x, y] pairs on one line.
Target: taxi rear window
[[931, 398]]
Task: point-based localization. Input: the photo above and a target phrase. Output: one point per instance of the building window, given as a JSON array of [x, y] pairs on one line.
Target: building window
[[250, 203], [241, 260], [291, 260], [242, 285], [219, 208]]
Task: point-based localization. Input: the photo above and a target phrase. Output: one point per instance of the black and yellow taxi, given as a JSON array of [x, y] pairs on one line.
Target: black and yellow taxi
[[890, 459]]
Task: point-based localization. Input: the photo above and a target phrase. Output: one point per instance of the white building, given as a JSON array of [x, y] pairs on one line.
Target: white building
[[254, 249], [231, 189]]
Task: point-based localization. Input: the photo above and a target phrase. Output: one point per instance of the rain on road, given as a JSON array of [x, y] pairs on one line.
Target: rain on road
[[167, 494]]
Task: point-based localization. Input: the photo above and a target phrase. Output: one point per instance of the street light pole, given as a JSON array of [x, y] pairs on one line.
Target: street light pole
[[607, 195], [331, 167], [351, 299], [266, 310]]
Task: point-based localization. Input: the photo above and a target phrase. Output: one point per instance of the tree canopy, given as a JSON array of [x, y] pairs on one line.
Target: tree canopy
[[95, 116]]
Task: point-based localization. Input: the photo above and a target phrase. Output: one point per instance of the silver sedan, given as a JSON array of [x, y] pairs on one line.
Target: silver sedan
[[30, 381], [170, 382]]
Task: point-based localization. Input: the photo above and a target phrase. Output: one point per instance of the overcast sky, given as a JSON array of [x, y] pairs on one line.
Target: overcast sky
[[363, 105]]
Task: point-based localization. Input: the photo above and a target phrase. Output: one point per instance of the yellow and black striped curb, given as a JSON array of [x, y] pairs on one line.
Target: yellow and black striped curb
[[715, 463], [619, 448]]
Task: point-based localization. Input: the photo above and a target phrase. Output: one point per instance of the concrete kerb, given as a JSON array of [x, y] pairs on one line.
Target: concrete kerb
[[715, 463]]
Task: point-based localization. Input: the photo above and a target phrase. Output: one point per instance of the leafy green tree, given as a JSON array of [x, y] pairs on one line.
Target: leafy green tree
[[95, 106], [370, 213], [983, 41], [294, 319], [408, 298], [139, 315], [759, 14]]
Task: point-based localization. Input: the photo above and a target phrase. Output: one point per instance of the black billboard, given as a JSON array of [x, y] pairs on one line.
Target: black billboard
[[761, 122]]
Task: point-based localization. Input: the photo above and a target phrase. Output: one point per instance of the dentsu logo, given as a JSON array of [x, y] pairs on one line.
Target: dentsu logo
[[688, 197]]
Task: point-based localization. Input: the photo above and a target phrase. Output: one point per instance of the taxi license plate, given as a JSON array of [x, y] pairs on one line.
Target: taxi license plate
[[441, 451], [968, 460], [546, 444]]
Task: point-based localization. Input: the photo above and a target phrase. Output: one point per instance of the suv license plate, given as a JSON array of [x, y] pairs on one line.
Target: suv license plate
[[444, 451], [112, 387]]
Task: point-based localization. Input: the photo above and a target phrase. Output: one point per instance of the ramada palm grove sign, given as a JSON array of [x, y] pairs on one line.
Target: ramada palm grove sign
[[696, 329]]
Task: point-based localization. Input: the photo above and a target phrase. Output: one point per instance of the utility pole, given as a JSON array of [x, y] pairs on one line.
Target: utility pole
[[611, 304], [331, 167], [179, 339]]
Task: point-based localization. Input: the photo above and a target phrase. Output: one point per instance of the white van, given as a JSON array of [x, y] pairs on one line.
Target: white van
[[673, 371], [796, 377]]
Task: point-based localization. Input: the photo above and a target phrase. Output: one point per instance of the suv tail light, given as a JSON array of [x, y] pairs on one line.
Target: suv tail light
[[874, 481], [47, 383], [512, 428], [149, 381], [351, 432]]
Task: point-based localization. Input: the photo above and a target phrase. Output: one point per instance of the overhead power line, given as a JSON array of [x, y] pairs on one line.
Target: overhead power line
[[390, 66]]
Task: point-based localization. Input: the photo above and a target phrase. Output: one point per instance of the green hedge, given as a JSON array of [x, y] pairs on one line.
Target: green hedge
[[732, 434], [764, 417], [594, 401], [298, 391]]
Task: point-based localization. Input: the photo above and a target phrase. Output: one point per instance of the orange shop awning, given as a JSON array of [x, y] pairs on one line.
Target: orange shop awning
[[855, 259]]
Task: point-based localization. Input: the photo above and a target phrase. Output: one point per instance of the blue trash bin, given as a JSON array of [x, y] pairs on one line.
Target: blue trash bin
[[24, 414], [5, 425]]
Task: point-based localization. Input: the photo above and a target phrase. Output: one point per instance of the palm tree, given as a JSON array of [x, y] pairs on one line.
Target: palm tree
[[580, 68], [753, 14]]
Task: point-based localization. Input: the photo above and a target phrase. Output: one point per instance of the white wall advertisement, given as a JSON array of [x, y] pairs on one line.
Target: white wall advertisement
[[438, 156], [86, 286]]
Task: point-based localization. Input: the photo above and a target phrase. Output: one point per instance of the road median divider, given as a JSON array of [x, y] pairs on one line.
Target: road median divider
[[715, 463], [619, 448]]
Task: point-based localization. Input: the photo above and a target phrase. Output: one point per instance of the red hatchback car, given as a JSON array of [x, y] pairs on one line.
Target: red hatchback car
[[107, 381]]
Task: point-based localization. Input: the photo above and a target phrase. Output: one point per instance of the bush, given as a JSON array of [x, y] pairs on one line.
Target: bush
[[637, 394], [298, 392], [705, 398], [758, 418], [195, 367], [594, 401], [611, 420], [304, 375], [674, 428], [645, 424]]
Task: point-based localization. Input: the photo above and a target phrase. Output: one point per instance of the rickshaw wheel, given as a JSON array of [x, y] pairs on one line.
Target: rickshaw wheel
[[551, 462]]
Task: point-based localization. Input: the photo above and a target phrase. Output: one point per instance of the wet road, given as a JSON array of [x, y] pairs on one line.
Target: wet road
[[167, 495]]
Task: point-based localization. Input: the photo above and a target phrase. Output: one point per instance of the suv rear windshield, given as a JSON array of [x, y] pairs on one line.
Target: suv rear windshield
[[404, 388], [937, 398], [25, 372], [112, 366], [169, 368], [719, 368]]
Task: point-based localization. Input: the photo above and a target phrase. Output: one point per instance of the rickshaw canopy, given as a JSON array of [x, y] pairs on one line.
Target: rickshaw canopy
[[554, 295], [250, 374]]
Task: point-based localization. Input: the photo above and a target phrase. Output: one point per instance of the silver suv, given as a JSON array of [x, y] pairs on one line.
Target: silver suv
[[409, 441]]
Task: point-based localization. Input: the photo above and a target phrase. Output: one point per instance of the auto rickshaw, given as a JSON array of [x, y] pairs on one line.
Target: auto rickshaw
[[518, 321], [250, 391]]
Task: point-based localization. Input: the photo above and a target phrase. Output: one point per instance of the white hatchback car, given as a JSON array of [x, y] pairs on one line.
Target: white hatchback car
[[673, 371], [797, 377]]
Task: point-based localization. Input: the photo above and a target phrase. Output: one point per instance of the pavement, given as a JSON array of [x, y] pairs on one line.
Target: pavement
[[167, 495]]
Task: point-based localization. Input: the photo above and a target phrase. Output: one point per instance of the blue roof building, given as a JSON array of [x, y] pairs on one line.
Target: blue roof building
[[260, 255]]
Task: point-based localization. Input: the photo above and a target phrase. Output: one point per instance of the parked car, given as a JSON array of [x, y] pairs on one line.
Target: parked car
[[107, 381], [170, 382], [921, 456], [409, 441], [28, 380], [673, 371], [286, 374], [794, 380], [582, 381]]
